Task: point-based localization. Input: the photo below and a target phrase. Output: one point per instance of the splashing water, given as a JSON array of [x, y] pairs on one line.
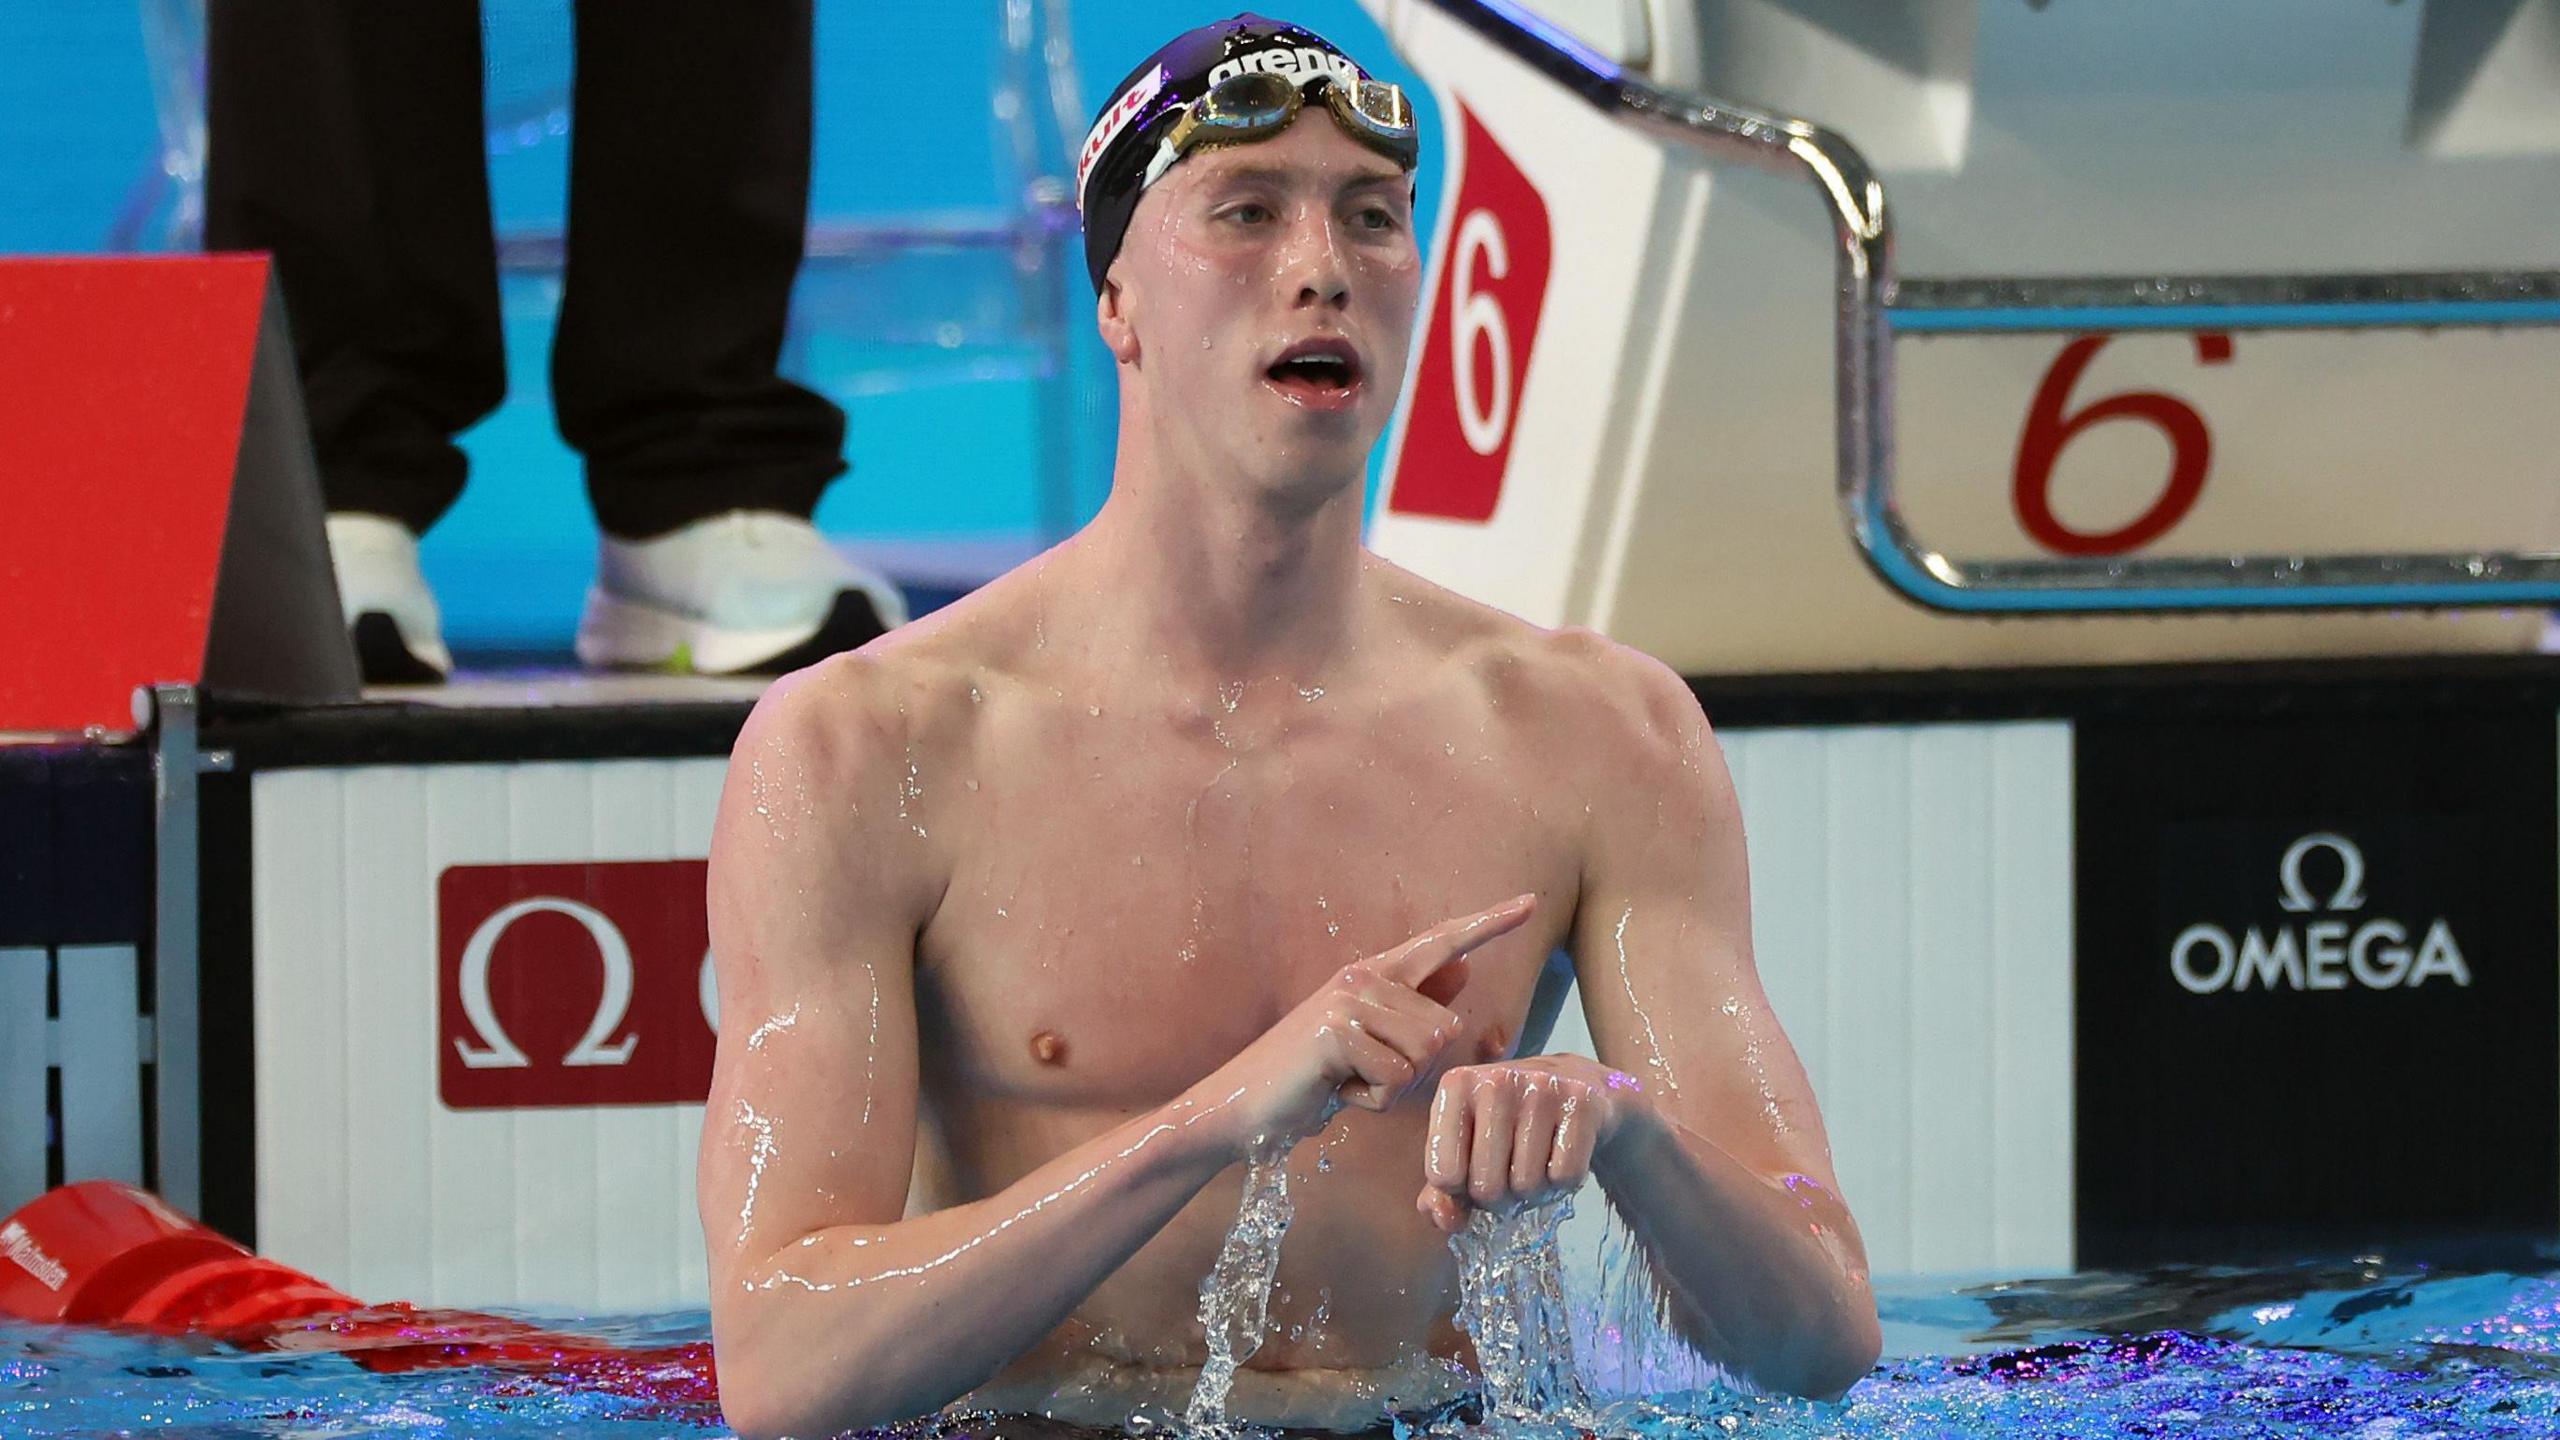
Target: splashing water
[[1235, 1298], [1511, 1303], [1623, 1328]]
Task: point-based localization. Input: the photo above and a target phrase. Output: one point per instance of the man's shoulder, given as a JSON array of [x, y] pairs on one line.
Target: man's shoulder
[[1586, 685], [1570, 661], [886, 699]]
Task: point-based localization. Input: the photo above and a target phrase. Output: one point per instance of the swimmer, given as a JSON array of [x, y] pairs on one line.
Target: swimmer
[[1208, 831]]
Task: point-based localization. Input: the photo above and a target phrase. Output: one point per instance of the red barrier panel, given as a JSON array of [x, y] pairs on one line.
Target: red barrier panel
[[104, 1253], [159, 516]]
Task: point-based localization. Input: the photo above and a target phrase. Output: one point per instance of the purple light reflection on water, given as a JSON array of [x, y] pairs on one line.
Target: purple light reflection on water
[[2361, 1351]]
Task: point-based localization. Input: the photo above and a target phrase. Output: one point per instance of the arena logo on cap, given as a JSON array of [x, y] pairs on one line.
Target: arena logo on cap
[[1113, 121], [1304, 61], [2205, 958]]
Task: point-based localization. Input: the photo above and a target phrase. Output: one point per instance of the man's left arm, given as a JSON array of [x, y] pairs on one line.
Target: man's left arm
[[1698, 1119]]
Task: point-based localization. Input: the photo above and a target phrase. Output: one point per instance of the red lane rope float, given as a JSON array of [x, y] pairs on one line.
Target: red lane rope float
[[104, 1253]]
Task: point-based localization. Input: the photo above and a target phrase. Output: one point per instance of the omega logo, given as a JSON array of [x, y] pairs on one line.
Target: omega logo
[[495, 1049], [2323, 954], [574, 984]]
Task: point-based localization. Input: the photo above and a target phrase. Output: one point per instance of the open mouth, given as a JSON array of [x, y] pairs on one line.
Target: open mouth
[[1323, 373]]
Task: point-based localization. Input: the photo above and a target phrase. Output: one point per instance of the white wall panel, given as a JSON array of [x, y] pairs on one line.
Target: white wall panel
[[1950, 1045], [643, 1172], [302, 953], [388, 910], [2033, 952], [365, 1177], [1911, 915], [24, 1125], [99, 1043]]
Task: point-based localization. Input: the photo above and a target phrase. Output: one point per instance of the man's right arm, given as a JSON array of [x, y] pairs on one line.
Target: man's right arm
[[828, 1309]]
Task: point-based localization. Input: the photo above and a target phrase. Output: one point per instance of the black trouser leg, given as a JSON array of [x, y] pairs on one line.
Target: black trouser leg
[[688, 196], [345, 136]]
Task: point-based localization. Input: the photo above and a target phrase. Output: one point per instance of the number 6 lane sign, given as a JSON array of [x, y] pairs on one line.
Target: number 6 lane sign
[[2049, 429], [1475, 352]]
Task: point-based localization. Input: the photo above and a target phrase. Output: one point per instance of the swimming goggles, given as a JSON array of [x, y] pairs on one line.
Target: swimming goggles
[[1259, 104]]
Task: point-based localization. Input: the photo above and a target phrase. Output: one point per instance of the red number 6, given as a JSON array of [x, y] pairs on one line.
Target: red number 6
[[2049, 429]]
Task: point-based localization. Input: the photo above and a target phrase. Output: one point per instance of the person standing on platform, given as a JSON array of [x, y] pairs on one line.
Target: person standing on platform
[[347, 140]]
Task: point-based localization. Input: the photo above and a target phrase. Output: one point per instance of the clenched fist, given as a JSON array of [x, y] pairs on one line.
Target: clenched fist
[[1517, 1131]]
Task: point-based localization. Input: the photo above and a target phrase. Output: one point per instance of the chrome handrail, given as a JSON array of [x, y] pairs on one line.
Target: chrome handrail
[[1868, 298], [1978, 305]]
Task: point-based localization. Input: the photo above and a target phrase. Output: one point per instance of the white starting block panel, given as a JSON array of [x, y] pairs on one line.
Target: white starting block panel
[[1623, 415]]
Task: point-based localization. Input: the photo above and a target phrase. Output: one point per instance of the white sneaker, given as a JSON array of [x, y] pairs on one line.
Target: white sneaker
[[383, 596], [749, 591]]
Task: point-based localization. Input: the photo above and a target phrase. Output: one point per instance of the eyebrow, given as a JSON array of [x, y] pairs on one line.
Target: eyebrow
[[1274, 174]]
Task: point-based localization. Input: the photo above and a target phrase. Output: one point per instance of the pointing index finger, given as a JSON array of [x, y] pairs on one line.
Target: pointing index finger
[[1423, 955]]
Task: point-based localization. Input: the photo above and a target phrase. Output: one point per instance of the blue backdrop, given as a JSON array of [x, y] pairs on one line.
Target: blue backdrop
[[942, 444]]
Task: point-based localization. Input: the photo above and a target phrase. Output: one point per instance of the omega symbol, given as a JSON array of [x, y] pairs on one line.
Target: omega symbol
[[496, 1050], [2350, 892]]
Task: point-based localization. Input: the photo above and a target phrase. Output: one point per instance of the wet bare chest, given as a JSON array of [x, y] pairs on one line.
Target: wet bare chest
[[1130, 907]]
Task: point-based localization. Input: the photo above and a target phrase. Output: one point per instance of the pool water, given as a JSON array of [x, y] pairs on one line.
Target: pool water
[[2371, 1349]]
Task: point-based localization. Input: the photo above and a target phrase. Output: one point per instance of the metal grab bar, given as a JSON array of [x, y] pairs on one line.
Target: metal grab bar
[[1868, 300], [2225, 302]]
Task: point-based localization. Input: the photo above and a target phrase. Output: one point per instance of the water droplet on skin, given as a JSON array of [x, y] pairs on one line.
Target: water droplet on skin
[[1654, 1058], [871, 1057], [779, 1024], [1094, 711], [911, 789], [972, 784], [1448, 747], [759, 1154], [1311, 695]]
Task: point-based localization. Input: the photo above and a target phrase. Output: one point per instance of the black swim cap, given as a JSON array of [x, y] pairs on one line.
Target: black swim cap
[[1111, 166]]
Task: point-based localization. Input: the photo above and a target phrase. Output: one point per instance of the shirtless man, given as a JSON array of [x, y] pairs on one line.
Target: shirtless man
[[1035, 917]]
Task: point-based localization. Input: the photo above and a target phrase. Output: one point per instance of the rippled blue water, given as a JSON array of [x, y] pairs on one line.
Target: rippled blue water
[[2369, 1350]]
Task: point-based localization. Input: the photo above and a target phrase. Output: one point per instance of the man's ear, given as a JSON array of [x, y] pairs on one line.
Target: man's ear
[[1111, 317]]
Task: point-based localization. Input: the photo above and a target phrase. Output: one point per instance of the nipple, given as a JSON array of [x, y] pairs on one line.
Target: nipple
[[1048, 1049]]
